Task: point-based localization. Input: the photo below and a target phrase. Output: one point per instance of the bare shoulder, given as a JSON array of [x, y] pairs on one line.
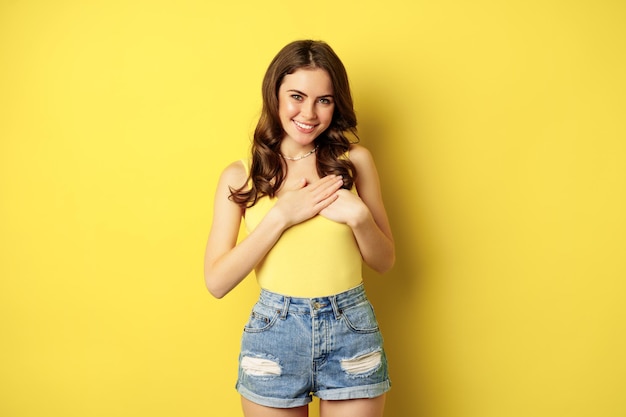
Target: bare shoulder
[[367, 181], [361, 157], [234, 175]]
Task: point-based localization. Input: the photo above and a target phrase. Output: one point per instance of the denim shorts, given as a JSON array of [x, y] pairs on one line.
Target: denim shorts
[[293, 348]]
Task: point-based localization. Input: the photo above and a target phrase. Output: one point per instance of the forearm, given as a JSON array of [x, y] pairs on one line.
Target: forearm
[[227, 263], [377, 249], [227, 271]]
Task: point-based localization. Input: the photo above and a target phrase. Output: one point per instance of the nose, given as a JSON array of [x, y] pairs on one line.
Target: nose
[[308, 109]]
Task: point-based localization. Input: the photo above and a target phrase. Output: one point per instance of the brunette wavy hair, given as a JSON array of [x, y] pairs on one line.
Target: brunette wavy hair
[[268, 169]]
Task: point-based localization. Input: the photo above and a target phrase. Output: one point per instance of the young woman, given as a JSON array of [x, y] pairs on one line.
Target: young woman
[[313, 208]]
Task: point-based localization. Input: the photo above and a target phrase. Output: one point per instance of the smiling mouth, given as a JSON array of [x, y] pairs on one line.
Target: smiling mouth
[[303, 126]]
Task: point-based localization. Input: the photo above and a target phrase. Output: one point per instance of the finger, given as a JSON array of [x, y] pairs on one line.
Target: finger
[[326, 202], [328, 188], [324, 181], [299, 184]]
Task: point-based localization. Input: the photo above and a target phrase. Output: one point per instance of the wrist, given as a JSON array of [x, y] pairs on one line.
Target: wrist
[[360, 218], [277, 219]]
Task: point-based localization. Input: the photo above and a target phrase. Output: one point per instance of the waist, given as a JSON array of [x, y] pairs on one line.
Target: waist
[[308, 286], [314, 305]]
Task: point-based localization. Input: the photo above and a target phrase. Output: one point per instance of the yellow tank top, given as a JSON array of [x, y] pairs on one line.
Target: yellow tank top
[[315, 258]]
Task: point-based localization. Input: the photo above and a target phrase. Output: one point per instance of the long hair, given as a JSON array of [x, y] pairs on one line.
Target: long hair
[[268, 169]]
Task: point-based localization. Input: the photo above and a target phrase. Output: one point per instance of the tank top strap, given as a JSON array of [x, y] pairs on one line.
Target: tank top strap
[[246, 165]]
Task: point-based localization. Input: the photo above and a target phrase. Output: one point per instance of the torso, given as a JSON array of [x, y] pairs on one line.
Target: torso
[[315, 258]]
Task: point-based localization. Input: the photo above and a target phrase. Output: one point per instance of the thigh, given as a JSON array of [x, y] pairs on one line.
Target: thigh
[[362, 407], [251, 409], [275, 363]]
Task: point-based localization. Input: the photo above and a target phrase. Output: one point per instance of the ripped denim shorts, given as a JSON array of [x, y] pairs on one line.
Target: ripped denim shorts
[[293, 348]]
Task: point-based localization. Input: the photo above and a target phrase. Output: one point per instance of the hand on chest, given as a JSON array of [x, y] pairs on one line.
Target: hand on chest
[[296, 171]]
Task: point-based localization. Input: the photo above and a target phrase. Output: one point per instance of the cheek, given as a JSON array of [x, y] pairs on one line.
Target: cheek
[[328, 114], [287, 109]]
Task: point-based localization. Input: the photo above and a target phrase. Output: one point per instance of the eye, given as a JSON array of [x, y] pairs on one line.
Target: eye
[[297, 97], [325, 100]]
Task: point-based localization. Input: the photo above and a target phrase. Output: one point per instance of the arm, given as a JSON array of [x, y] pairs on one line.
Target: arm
[[366, 214], [227, 263]]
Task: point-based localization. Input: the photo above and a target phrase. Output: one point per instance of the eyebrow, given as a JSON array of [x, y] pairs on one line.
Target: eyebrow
[[305, 95]]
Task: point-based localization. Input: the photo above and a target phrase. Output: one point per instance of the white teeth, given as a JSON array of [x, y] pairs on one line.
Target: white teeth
[[302, 125]]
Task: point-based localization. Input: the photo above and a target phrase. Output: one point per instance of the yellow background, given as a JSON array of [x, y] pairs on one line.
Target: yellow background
[[499, 132]]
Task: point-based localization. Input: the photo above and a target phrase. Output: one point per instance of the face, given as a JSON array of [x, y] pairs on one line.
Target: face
[[305, 106]]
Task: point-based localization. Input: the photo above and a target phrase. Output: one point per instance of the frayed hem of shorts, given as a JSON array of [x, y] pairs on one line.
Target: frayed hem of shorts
[[353, 393], [273, 402]]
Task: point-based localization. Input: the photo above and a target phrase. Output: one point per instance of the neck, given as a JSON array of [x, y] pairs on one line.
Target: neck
[[297, 155]]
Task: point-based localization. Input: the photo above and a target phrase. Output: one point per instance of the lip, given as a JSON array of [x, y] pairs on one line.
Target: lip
[[303, 127]]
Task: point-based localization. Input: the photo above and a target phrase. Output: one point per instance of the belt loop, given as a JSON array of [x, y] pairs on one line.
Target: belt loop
[[336, 309], [285, 308]]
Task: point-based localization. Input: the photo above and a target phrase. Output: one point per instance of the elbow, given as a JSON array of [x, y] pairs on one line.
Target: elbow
[[384, 265], [220, 282], [215, 289], [214, 282], [216, 293]]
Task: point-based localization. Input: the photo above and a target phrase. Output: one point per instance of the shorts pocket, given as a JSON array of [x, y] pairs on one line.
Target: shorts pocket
[[361, 318], [262, 318]]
